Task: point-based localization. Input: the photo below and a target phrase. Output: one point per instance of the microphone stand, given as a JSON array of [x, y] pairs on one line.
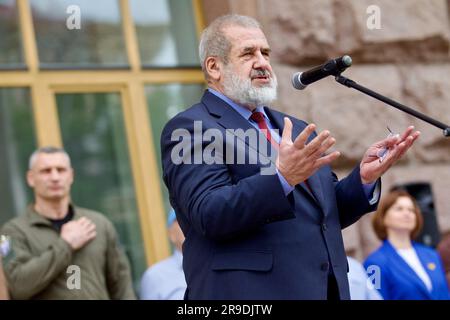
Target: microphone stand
[[352, 84]]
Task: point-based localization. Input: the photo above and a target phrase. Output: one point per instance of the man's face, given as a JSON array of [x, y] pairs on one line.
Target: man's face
[[248, 77], [51, 176]]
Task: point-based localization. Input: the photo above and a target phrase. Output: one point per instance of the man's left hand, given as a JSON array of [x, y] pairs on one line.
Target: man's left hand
[[372, 166]]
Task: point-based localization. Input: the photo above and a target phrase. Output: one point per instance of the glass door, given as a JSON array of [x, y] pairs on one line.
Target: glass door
[[17, 142], [93, 133]]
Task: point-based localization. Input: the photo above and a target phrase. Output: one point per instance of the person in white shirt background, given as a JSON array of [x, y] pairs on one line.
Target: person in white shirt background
[[361, 288], [165, 280]]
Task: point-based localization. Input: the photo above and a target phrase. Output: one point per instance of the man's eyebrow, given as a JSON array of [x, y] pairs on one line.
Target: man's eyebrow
[[253, 48], [248, 49]]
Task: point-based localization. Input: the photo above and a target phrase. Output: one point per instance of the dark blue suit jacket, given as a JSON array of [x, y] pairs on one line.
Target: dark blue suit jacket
[[245, 239], [398, 281]]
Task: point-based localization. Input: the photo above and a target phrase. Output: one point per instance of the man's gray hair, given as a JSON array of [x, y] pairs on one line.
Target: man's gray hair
[[214, 43], [48, 150]]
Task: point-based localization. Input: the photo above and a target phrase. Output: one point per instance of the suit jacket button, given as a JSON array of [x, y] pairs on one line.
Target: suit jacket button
[[324, 226], [324, 266]]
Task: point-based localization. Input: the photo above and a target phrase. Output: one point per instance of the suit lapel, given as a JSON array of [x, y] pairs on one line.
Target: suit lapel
[[406, 268], [231, 120], [314, 181], [228, 118], [426, 265]]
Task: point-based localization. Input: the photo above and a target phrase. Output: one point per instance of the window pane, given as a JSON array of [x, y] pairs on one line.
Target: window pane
[[17, 142], [79, 33], [164, 102], [94, 136], [10, 43], [166, 32]]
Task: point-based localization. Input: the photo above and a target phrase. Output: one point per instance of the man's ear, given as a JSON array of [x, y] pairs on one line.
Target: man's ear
[[213, 68], [72, 174], [30, 178]]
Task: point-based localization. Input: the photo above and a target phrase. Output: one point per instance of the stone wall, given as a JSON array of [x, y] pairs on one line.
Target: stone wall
[[407, 59]]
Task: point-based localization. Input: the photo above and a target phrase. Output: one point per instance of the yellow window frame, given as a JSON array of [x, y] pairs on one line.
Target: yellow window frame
[[130, 84]]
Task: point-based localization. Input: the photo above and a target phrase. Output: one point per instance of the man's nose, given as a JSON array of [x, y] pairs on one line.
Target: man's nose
[[54, 175], [261, 61]]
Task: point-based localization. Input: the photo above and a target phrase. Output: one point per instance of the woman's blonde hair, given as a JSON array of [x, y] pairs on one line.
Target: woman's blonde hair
[[386, 203]]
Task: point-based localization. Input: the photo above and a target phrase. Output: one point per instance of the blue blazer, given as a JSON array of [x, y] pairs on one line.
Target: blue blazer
[[400, 282], [245, 239]]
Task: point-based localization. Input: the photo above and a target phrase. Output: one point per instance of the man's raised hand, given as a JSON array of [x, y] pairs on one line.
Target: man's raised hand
[[297, 160]]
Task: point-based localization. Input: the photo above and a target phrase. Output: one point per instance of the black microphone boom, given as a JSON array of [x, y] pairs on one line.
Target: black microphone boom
[[300, 80], [335, 67]]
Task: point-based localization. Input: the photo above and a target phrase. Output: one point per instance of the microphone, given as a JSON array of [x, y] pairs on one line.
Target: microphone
[[300, 80]]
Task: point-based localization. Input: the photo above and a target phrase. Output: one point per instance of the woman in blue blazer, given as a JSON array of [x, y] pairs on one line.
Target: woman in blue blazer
[[402, 269]]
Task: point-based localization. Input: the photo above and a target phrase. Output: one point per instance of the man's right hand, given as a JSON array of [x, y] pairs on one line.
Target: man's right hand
[[296, 160], [78, 233]]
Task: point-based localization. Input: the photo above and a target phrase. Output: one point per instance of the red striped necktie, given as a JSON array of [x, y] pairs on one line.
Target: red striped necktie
[[258, 117]]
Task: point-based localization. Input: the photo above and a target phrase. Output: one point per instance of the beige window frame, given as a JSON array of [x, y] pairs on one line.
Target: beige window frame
[[44, 86]]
